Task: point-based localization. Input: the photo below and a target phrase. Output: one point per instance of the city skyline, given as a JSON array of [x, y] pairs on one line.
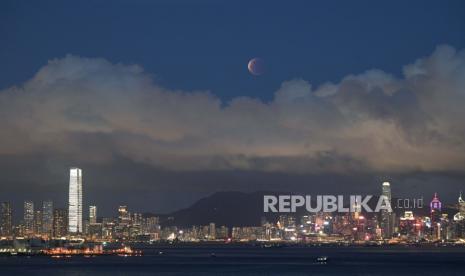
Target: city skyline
[[76, 207], [411, 203], [351, 225]]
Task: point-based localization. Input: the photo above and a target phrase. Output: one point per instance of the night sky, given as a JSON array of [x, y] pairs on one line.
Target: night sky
[[154, 101]]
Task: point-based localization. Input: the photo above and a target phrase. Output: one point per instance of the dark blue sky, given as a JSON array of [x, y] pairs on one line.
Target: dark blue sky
[[206, 45]]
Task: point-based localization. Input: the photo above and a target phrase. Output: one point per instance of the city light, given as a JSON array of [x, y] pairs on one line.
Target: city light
[[128, 226]]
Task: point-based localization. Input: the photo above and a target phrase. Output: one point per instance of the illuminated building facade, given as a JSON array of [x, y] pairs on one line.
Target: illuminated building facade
[[92, 214], [435, 214], [151, 225], [222, 232], [123, 215], [60, 223], [386, 216], [75, 201], [212, 231], [47, 217], [95, 231], [435, 209], [37, 222], [460, 216], [137, 219], [410, 226], [248, 233], [28, 217], [5, 219]]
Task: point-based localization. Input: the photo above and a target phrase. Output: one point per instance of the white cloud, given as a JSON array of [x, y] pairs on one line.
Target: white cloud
[[93, 110]]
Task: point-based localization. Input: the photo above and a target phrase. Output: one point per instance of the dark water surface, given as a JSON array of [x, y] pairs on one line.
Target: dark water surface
[[243, 260]]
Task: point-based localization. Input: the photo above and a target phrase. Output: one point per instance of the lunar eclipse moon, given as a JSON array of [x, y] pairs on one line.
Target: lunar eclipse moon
[[256, 66]]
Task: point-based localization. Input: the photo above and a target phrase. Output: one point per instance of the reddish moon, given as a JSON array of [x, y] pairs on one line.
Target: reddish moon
[[256, 66]]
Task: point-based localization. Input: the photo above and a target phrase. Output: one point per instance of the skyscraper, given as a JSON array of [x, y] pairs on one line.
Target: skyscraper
[[5, 219], [123, 215], [435, 208], [75, 201], [47, 217], [461, 205], [460, 216], [28, 217], [92, 214], [38, 221], [212, 231], [137, 219], [386, 221], [60, 222]]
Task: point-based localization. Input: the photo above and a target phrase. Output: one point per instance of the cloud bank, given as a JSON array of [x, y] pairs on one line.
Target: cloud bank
[[93, 110]]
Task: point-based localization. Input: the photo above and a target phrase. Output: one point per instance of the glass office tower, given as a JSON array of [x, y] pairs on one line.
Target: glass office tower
[[75, 201]]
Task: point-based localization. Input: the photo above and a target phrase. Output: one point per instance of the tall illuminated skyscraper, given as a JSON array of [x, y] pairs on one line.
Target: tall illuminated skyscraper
[[75, 201], [92, 214], [38, 221], [28, 217], [386, 221], [124, 216], [5, 219], [460, 216], [212, 231], [47, 217], [435, 208], [60, 222]]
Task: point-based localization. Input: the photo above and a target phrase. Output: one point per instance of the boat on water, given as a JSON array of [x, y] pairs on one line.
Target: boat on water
[[322, 259], [58, 252]]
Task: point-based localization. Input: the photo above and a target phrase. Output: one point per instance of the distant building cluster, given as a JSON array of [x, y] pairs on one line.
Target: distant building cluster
[[46, 222]]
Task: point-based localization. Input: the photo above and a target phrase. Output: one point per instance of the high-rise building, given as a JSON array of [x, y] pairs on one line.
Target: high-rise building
[[222, 232], [461, 205], [123, 215], [28, 217], [386, 221], [409, 225], [60, 222], [137, 219], [460, 216], [85, 226], [357, 209], [75, 201], [95, 230], [92, 214], [212, 231], [435, 209], [151, 224], [47, 217], [38, 221], [5, 219]]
